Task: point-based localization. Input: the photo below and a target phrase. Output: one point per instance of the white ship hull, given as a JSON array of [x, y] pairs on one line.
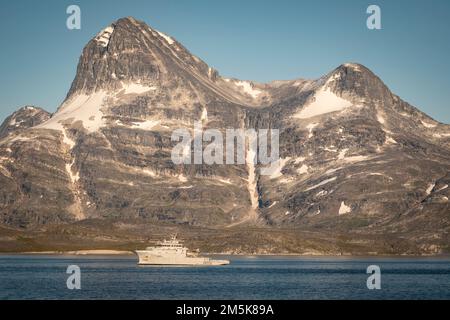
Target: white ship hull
[[146, 258], [173, 253]]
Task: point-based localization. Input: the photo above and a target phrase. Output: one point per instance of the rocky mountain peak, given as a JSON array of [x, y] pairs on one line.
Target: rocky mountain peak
[[355, 80], [129, 51], [24, 118]]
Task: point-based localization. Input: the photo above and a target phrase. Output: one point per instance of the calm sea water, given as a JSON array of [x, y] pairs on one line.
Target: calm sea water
[[44, 277]]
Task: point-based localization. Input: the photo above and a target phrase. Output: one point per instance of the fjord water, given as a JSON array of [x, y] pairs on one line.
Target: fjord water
[[118, 277]]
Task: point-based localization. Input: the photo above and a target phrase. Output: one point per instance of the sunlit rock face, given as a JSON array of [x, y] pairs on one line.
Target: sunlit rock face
[[24, 118], [353, 156]]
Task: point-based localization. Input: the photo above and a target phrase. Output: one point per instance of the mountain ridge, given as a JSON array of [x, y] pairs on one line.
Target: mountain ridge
[[354, 158]]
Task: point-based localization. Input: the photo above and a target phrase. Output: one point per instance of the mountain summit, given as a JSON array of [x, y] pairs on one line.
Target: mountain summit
[[360, 170], [129, 51]]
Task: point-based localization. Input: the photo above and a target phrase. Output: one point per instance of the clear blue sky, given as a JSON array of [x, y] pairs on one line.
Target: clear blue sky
[[249, 39]]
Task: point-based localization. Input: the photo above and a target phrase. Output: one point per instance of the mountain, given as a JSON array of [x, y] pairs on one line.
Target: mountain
[[24, 118], [360, 170]]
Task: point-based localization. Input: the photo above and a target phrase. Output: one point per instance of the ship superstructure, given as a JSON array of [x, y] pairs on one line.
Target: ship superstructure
[[173, 252]]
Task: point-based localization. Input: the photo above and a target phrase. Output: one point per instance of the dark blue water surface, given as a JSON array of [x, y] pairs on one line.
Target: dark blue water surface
[[119, 277]]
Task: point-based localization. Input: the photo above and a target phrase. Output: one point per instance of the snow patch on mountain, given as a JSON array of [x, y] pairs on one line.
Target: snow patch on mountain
[[74, 177], [441, 135], [67, 140], [321, 183], [20, 138], [390, 140], [343, 209], [428, 125], [84, 108], [430, 188], [204, 116], [103, 37], [15, 123], [251, 181], [342, 153], [358, 158], [277, 167], [321, 193], [226, 181], [303, 169], [143, 125], [329, 149], [273, 203], [325, 101], [353, 66], [249, 88], [310, 128], [136, 88], [334, 77], [169, 40], [299, 160]]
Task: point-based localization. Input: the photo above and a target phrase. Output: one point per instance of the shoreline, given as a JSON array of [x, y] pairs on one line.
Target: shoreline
[[107, 252], [100, 252]]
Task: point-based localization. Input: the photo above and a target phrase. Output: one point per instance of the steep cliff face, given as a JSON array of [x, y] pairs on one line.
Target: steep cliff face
[[353, 155]]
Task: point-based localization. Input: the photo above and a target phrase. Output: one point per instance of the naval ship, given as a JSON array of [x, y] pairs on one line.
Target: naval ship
[[172, 252]]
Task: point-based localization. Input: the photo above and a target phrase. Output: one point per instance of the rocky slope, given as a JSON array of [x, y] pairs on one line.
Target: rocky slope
[[355, 158], [24, 118]]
